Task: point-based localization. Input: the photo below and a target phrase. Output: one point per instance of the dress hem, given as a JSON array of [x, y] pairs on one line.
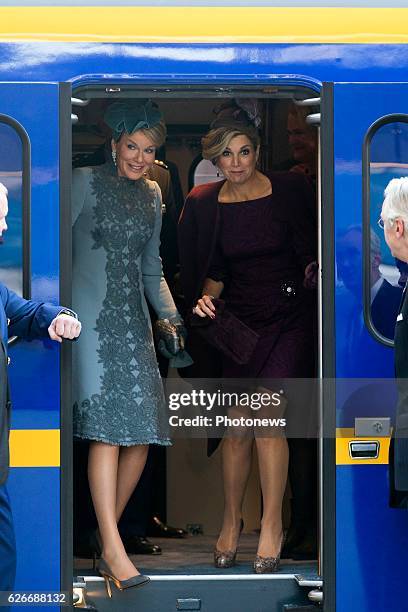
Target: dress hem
[[162, 441]]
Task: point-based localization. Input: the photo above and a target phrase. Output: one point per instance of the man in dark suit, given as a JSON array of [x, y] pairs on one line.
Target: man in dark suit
[[394, 219], [24, 318]]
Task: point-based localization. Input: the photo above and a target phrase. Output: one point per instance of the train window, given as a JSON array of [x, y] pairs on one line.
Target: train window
[[386, 156], [14, 174]]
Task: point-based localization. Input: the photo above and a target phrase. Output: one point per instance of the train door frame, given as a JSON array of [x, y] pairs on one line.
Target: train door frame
[[44, 160], [327, 366], [223, 87], [65, 287]]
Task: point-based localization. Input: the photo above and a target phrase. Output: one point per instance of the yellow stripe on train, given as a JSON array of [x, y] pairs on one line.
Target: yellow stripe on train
[[195, 24], [344, 436], [35, 448], [41, 448]]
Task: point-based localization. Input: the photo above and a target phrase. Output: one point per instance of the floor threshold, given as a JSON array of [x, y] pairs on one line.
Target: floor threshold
[[202, 577]]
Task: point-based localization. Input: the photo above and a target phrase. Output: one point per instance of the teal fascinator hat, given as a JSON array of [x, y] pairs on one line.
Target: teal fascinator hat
[[140, 114]]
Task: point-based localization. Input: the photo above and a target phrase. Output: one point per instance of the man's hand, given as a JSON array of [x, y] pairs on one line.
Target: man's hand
[[64, 326], [311, 275]]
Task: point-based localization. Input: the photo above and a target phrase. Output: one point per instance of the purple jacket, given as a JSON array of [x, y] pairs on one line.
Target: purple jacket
[[199, 223]]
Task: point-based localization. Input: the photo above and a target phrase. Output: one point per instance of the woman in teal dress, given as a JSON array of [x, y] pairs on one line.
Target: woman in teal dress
[[119, 400]]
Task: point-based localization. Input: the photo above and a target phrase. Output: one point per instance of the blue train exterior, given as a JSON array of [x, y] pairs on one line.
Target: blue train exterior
[[365, 544]]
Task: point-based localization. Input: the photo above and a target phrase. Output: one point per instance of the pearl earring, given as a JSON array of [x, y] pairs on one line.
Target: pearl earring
[[114, 157]]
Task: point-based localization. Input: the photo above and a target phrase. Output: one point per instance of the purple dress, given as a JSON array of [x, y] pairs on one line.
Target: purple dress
[[262, 250]]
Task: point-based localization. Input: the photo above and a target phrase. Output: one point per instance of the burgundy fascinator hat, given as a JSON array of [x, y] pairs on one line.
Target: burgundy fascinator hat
[[242, 112]]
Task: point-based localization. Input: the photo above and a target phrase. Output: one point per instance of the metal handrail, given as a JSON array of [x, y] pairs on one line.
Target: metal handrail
[[79, 102], [307, 102], [314, 119], [316, 596]]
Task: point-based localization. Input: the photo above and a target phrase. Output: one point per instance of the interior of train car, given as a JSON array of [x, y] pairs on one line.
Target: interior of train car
[[188, 491]]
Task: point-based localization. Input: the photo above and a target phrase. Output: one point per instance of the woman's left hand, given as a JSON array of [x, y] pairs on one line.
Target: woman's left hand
[[311, 271], [170, 337]]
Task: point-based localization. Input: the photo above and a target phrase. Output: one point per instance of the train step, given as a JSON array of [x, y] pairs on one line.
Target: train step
[[301, 608], [206, 593]]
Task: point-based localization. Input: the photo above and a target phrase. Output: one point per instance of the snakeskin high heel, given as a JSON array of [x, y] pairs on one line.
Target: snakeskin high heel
[[224, 559], [269, 565]]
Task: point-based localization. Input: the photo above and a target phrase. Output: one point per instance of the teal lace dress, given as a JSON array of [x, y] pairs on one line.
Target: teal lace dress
[[118, 393]]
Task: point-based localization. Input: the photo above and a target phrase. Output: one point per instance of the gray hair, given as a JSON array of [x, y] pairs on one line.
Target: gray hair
[[3, 193], [395, 203]]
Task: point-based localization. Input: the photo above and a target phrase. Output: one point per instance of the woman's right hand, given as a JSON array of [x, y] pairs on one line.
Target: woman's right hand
[[205, 307]]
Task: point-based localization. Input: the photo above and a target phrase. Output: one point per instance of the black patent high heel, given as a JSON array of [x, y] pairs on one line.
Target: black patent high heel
[[132, 582], [223, 559]]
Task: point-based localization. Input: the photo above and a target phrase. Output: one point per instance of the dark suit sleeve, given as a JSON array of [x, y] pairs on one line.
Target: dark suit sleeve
[[385, 307], [168, 237], [28, 319], [177, 190], [187, 242], [302, 220]]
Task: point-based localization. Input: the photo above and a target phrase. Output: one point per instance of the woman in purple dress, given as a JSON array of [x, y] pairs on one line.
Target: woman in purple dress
[[251, 239]]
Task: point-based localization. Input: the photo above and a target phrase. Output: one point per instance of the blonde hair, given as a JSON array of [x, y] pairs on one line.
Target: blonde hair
[[218, 139], [156, 134]]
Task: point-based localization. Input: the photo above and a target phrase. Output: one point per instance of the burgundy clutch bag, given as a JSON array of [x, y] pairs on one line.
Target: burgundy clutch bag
[[226, 333]]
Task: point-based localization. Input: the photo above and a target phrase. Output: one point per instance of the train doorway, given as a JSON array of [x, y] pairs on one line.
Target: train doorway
[[187, 482]]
